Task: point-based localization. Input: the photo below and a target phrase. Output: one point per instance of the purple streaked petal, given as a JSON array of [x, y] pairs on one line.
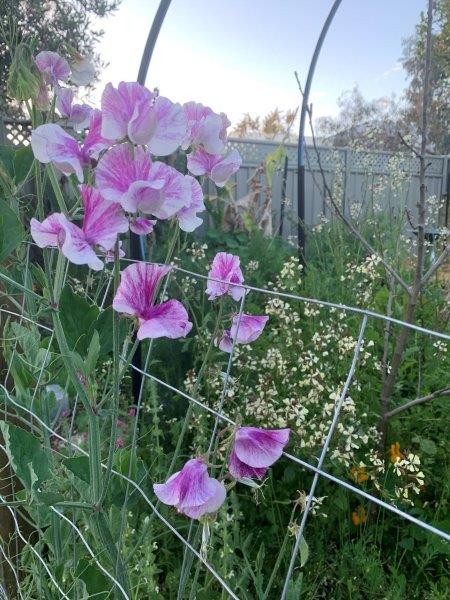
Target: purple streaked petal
[[250, 327], [103, 221], [137, 289], [168, 127], [64, 100], [142, 226], [210, 506], [200, 162], [94, 143], [225, 267], [169, 319], [83, 71], [225, 167], [118, 169], [126, 112], [239, 469], [77, 249], [50, 143], [53, 67], [169, 492], [166, 200], [187, 216], [260, 448], [225, 343], [48, 233]]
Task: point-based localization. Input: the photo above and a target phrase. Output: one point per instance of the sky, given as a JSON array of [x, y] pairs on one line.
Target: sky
[[239, 56]]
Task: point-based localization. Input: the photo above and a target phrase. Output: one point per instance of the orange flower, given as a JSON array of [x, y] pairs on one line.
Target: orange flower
[[358, 474], [394, 452], [359, 516]]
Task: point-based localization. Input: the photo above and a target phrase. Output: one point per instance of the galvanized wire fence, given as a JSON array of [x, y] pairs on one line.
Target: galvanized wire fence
[[29, 418]]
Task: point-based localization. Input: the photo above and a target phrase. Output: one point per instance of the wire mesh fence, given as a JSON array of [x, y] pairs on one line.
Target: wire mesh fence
[[27, 416]]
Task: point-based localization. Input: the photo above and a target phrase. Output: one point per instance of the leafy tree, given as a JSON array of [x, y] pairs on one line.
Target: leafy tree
[[276, 125], [49, 25], [413, 59], [373, 123]]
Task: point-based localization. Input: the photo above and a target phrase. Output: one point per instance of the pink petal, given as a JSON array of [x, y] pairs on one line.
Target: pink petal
[[194, 482], [94, 143], [169, 319], [80, 116], [225, 343], [260, 448], [210, 506], [250, 328], [222, 170], [48, 232], [239, 469], [136, 292], [77, 249], [118, 169], [163, 201], [226, 268], [53, 66], [64, 100], [168, 127], [50, 143], [169, 492], [200, 162], [103, 221], [208, 134], [109, 255], [141, 226], [187, 216]]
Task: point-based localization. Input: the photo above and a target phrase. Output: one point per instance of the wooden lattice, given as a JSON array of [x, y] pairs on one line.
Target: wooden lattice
[[16, 132]]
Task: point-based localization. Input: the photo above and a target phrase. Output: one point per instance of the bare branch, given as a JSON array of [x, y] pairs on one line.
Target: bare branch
[[405, 143], [411, 403], [436, 265]]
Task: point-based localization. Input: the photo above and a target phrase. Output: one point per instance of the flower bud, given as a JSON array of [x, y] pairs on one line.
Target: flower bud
[[24, 80]]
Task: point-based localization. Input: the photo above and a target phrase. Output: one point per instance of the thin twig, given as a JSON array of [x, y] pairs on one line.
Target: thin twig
[[407, 405]]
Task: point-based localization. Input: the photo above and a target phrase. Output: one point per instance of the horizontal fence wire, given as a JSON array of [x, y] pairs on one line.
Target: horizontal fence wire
[[219, 416]]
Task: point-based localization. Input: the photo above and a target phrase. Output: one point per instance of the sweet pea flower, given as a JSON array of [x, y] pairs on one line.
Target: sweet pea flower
[[218, 168], [102, 223], [77, 115], [249, 329], [53, 67], [83, 70], [187, 216], [141, 226], [204, 128], [255, 450], [192, 491], [136, 296], [51, 144], [132, 179], [225, 267], [132, 111]]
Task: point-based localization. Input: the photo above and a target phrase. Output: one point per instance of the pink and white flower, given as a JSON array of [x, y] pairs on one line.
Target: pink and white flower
[[218, 168], [101, 225], [226, 268], [51, 144], [244, 331], [192, 491], [132, 111], [141, 225], [77, 115], [205, 128], [187, 215], [255, 450], [136, 296], [53, 67]]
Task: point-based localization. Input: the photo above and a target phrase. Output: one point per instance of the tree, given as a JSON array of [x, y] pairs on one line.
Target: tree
[[49, 25], [413, 60], [370, 123], [276, 125]]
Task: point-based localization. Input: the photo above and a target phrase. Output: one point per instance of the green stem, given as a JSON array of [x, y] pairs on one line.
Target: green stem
[[56, 189]]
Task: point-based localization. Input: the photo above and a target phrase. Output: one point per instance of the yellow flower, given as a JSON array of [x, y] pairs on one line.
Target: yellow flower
[[394, 453], [358, 474], [359, 516]]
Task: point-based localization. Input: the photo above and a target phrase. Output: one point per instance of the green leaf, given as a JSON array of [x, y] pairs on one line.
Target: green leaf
[[7, 161], [11, 231], [295, 588], [79, 466], [428, 446], [27, 456], [273, 161], [304, 552], [103, 325], [77, 317], [23, 159], [406, 543], [96, 583]]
